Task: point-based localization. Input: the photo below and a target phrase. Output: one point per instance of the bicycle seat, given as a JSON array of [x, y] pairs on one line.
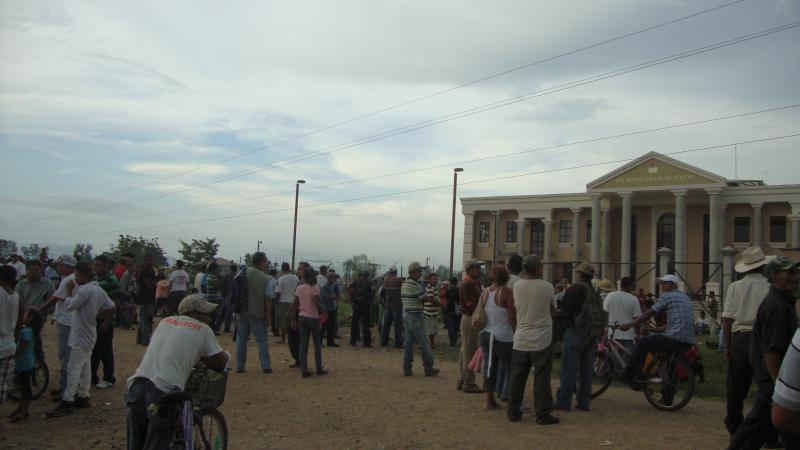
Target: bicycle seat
[[174, 397]]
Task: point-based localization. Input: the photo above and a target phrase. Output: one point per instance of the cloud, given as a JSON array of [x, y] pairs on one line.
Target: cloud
[[173, 169]]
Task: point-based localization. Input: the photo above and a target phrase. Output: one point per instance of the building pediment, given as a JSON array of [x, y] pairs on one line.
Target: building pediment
[[655, 171]]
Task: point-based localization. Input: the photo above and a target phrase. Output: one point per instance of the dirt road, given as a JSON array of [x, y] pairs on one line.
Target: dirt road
[[366, 402]]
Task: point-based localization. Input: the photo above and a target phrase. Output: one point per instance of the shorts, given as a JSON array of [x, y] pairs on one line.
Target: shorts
[[431, 325], [6, 376], [26, 384], [280, 314]]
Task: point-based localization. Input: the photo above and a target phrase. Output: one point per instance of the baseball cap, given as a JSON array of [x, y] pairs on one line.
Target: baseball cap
[[780, 264], [473, 263], [195, 302], [669, 278], [585, 267], [414, 266], [67, 260]]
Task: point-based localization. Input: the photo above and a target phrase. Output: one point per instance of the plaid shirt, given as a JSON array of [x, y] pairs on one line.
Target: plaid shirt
[[680, 317]]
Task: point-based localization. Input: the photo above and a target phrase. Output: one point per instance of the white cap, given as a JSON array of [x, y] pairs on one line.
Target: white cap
[[669, 278]]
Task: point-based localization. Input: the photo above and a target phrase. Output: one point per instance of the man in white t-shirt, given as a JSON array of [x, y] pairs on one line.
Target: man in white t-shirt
[[623, 307], [178, 343], [533, 338], [178, 287], [10, 313], [198, 279], [284, 293], [18, 265], [63, 318], [322, 276]]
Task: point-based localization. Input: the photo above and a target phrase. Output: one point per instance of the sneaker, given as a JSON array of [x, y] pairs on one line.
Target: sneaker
[[63, 409], [81, 403], [547, 420], [432, 372], [104, 385]]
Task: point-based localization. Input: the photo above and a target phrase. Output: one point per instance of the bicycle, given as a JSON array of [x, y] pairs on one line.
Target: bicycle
[[668, 374], [39, 381], [197, 423]]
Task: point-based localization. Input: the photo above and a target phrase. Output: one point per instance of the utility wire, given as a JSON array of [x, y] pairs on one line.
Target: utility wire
[[429, 188], [412, 101], [466, 113], [422, 169]]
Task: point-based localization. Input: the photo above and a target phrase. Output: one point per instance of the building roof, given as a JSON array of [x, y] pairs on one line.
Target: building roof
[[654, 171]]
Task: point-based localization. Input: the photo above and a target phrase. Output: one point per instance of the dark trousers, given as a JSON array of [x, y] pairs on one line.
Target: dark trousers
[[224, 317], [103, 351], [521, 363], [294, 343], [310, 331], [501, 353], [757, 426], [361, 323], [453, 323], [392, 317], [331, 326], [651, 344], [147, 428], [740, 376]]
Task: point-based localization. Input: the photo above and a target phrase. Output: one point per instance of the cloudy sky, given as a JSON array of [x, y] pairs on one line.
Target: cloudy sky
[[152, 117]]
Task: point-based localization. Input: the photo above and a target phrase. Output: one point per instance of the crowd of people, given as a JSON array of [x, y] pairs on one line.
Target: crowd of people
[[505, 328]]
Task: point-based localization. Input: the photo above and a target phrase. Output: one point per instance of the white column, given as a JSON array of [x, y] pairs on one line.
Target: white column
[[625, 247], [576, 234], [548, 234], [606, 245], [713, 233], [723, 240], [794, 222], [469, 232], [595, 247], [495, 236], [757, 221], [727, 271], [680, 232], [521, 235]]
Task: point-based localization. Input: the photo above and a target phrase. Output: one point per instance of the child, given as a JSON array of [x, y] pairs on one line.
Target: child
[[26, 361], [430, 307]]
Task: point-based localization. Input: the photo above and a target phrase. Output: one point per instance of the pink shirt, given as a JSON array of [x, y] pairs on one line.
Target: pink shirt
[[308, 307]]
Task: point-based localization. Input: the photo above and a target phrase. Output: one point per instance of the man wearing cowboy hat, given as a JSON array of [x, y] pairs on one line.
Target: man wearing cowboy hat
[[741, 304]]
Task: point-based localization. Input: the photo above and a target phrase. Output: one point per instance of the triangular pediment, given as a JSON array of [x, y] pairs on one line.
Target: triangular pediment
[[655, 171]]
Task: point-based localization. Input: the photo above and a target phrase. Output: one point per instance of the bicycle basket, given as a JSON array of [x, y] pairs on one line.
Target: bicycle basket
[[207, 387]]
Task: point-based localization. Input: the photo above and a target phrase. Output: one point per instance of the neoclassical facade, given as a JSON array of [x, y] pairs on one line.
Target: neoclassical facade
[[628, 217]]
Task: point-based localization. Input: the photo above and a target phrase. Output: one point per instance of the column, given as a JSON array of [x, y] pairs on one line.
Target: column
[[495, 237], [713, 233], [794, 221], [469, 231], [576, 234], [521, 235], [664, 258], [548, 233], [625, 248], [606, 245], [757, 221], [723, 207], [680, 232], [595, 247], [727, 272]]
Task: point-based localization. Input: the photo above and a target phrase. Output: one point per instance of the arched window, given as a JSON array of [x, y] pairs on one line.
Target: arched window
[[665, 231]]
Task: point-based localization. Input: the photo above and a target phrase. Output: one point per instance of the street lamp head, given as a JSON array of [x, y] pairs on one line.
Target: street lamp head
[[301, 181], [458, 169]]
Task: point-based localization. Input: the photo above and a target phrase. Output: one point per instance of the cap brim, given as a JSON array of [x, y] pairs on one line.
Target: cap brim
[[206, 307]]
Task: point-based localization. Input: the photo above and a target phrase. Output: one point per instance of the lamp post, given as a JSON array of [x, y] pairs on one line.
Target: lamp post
[[294, 234], [258, 246], [453, 223]]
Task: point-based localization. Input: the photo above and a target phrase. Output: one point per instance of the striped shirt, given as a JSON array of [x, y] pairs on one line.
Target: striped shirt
[[412, 295], [430, 305], [787, 388]]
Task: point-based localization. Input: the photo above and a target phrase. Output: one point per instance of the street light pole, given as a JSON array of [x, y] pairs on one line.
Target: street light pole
[[294, 234], [258, 247], [453, 224]]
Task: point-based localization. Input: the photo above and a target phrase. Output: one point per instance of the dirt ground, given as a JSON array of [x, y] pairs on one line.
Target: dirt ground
[[366, 402]]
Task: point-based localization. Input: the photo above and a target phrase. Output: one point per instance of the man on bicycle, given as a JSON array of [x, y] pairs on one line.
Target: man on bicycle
[[678, 332], [177, 344]]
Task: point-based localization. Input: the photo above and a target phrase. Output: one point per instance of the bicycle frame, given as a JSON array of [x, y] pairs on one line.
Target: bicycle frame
[[616, 347]]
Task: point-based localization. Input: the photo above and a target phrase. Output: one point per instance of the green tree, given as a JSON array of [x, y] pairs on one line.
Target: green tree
[[443, 272], [353, 266], [199, 251], [248, 259], [31, 251], [7, 248], [82, 252], [138, 246]]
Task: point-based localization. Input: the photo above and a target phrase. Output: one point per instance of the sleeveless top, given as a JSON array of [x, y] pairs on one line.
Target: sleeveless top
[[497, 320]]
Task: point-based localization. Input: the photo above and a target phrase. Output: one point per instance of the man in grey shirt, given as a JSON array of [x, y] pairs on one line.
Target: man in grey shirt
[[255, 315]]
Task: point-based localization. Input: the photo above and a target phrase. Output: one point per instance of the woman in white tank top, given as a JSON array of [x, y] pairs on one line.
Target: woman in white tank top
[[497, 337]]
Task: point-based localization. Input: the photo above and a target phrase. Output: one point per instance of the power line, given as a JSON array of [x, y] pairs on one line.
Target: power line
[[429, 188], [449, 164], [414, 100], [465, 113]]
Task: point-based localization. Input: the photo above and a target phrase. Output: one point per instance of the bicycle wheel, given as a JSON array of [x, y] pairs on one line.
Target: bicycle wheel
[[210, 431], [602, 373], [672, 385], [39, 382]]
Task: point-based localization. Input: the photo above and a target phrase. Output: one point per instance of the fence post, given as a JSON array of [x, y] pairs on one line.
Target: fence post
[[727, 272]]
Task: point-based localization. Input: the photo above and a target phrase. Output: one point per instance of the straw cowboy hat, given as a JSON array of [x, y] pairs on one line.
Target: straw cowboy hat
[[752, 258], [606, 286]]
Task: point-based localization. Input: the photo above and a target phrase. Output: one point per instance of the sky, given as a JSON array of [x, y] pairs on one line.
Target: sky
[[182, 120]]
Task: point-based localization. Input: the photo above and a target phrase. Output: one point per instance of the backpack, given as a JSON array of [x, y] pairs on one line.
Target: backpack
[[592, 319], [238, 291]]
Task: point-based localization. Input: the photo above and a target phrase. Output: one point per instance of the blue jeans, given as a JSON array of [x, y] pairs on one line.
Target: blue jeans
[[309, 328], [392, 316], [145, 330], [577, 361], [148, 428], [414, 324], [245, 323], [63, 355]]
